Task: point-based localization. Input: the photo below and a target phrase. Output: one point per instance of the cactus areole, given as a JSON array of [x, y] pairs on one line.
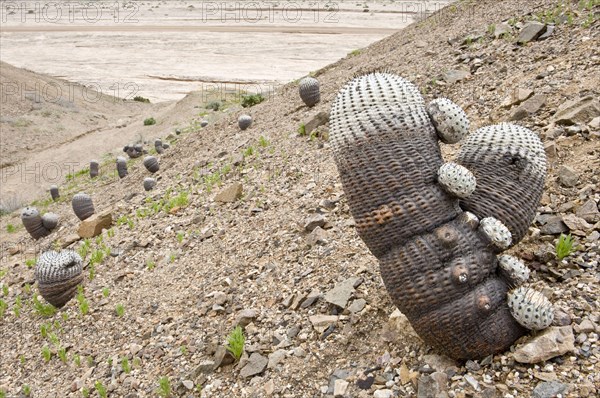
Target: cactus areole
[[437, 229]]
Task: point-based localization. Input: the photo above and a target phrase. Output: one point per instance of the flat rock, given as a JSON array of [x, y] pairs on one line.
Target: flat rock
[[230, 194], [93, 225], [222, 357], [322, 322], [502, 29], [455, 75], [529, 107], [245, 317], [314, 221], [567, 176], [340, 387], [276, 358], [357, 305], [578, 111], [316, 121], [432, 386], [577, 224], [517, 96], [385, 393], [552, 225], [317, 237], [589, 211], [531, 31], [549, 389], [256, 364], [554, 341], [341, 292]]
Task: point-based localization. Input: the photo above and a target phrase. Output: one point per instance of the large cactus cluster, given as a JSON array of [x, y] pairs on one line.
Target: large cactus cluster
[[36, 225], [438, 228], [58, 274]]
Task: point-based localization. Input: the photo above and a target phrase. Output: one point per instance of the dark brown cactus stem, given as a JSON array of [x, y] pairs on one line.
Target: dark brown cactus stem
[[244, 121], [33, 223], [94, 168], [122, 167], [158, 146], [309, 91], [149, 183], [50, 221], [151, 164], [54, 192], [83, 207], [58, 274]]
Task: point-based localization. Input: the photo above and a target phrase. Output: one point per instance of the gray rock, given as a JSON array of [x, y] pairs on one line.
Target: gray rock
[[204, 367], [313, 296], [230, 194], [517, 96], [275, 358], [529, 107], [577, 224], [595, 123], [322, 322], [531, 31], [314, 221], [316, 121], [385, 393], [222, 357], [589, 211], [567, 176], [204, 123], [341, 292], [551, 224], [338, 374], [549, 389], [578, 111], [245, 317], [188, 384], [317, 237], [256, 365], [433, 385], [502, 29], [454, 75], [549, 31], [551, 343], [357, 305], [550, 149], [340, 387]]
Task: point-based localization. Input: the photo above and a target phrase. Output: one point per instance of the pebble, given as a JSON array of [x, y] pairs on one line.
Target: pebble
[[385, 393], [256, 365], [548, 389]]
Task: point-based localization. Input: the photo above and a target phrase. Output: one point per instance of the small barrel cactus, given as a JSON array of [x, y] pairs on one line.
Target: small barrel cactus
[[166, 145], [310, 92], [158, 146], [94, 168], [244, 121], [151, 164], [33, 223], [50, 221], [149, 183], [122, 166], [58, 274], [435, 228], [54, 192], [82, 206]]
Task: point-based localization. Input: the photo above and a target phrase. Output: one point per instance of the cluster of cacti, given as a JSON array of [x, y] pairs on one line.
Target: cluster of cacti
[[151, 164], [244, 121], [149, 183], [54, 192], [122, 166], [82, 204], [58, 274], [38, 226], [158, 145], [94, 168], [134, 151], [309, 90], [435, 228]]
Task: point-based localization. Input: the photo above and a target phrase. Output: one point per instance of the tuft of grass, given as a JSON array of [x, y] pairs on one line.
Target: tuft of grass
[[249, 100], [263, 142], [235, 342], [180, 237], [5, 290], [44, 310], [302, 130], [564, 246], [150, 264], [214, 105], [3, 307], [30, 262], [62, 354], [10, 228], [141, 99], [249, 151], [17, 306], [164, 387], [84, 249], [149, 121], [100, 389], [354, 53], [77, 360], [125, 365], [46, 353], [26, 390], [120, 310], [85, 392], [105, 292], [84, 306]]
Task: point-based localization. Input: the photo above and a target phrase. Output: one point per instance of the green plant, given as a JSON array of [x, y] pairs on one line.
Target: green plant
[[45, 310], [137, 362], [172, 257], [30, 262], [564, 246], [149, 121], [491, 29], [26, 390], [22, 359], [62, 354], [120, 310], [2, 393], [302, 130], [53, 339], [10, 228], [85, 392], [27, 288], [354, 53], [17, 306], [183, 349], [235, 342], [214, 105], [150, 264], [105, 292], [84, 249], [5, 290], [84, 306], [249, 151], [110, 233], [100, 388], [46, 354], [44, 328], [141, 99], [77, 360], [263, 142], [125, 365], [249, 100], [164, 387]]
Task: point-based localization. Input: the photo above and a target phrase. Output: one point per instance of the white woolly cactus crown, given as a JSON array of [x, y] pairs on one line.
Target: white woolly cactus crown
[[497, 232], [530, 308], [450, 121], [456, 180], [514, 268]]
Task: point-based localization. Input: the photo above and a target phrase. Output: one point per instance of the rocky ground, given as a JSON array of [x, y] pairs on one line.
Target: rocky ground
[[252, 228]]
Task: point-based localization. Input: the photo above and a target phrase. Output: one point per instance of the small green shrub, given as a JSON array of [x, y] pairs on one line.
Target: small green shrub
[[249, 100], [263, 142], [44, 310], [105, 292], [164, 387], [26, 390], [235, 342], [30, 262], [141, 99], [3, 307], [46, 353], [214, 105], [302, 130], [100, 389], [149, 121], [10, 228], [564, 246], [84, 306], [62, 354], [120, 310], [125, 365]]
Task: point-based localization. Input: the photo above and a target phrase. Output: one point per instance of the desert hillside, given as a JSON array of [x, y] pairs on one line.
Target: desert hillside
[[185, 263]]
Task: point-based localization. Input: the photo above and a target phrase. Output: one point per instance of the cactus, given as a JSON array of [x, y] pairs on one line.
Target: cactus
[[94, 168], [33, 223], [530, 308], [58, 274], [309, 91], [50, 221], [244, 121], [54, 192], [82, 204], [149, 183], [151, 164], [122, 166], [134, 151], [158, 146], [438, 262]]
